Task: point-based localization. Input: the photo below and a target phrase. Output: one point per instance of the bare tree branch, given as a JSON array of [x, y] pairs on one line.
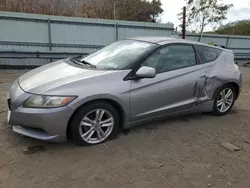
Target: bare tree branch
[[136, 10]]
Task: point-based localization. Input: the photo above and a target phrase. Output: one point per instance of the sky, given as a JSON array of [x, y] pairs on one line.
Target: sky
[[241, 10]]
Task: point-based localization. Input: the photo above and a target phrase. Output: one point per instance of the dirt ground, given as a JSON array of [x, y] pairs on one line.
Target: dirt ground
[[178, 152]]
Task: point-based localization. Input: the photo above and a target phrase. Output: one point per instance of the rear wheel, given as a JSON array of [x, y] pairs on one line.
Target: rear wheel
[[224, 100], [95, 123]]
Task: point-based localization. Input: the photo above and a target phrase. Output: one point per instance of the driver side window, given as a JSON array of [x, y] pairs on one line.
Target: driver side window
[[172, 57], [152, 61]]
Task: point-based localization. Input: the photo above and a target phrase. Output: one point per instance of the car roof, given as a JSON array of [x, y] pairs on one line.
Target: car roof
[[167, 40], [156, 40]]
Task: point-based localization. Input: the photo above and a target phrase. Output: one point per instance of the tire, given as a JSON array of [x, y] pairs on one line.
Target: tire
[[81, 127], [217, 108]]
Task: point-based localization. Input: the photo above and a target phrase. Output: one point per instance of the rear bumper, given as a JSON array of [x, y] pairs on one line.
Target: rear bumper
[[42, 124]]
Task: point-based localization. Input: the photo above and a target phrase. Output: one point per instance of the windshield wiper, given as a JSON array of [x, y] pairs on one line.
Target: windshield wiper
[[87, 63], [82, 62]]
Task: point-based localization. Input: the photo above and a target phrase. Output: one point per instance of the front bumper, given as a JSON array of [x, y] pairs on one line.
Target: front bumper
[[42, 124], [35, 133], [45, 124]]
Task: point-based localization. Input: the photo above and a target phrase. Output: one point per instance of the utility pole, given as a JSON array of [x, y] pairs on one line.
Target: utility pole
[[184, 23], [114, 10]]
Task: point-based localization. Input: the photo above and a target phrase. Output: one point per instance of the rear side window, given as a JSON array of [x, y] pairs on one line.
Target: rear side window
[[208, 54]]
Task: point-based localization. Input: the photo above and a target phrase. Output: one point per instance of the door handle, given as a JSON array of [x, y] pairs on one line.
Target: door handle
[[203, 75]]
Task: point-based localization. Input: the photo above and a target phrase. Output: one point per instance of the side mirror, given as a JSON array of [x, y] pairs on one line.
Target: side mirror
[[146, 72]]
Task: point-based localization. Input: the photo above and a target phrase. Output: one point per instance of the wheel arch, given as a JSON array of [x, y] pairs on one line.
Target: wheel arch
[[114, 103], [237, 89], [234, 84]]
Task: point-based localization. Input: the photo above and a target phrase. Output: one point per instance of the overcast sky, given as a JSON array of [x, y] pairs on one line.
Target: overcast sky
[[241, 10]]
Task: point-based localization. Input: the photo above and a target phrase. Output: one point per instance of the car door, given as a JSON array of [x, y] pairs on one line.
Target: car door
[[173, 89]]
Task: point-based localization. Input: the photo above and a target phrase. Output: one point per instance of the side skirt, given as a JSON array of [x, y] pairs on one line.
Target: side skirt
[[206, 106]]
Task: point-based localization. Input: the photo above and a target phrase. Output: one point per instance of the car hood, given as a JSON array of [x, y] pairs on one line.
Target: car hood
[[54, 74]]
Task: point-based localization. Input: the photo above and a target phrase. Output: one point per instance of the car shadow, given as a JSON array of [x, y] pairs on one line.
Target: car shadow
[[149, 125]]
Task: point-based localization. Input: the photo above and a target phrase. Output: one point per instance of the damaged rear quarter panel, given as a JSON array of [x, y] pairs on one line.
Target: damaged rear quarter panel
[[223, 71]]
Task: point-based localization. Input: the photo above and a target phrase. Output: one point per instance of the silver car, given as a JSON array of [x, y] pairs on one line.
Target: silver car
[[90, 99]]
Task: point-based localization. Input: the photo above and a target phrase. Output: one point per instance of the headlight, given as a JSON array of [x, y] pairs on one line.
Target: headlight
[[43, 101]]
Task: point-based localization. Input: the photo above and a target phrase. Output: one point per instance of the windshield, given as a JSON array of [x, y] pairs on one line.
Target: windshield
[[118, 55]]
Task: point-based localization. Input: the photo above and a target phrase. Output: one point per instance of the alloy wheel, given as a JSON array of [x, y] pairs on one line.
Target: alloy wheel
[[96, 126], [225, 100]]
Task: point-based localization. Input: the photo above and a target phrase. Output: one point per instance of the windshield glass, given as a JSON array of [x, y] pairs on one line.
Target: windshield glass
[[118, 55]]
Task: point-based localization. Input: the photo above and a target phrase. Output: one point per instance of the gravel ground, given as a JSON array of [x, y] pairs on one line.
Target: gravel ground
[[178, 152]]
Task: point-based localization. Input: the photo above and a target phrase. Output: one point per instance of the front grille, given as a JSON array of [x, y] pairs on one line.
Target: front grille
[[9, 103]]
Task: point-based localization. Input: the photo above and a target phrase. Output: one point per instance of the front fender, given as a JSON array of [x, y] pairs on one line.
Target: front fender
[[122, 101]]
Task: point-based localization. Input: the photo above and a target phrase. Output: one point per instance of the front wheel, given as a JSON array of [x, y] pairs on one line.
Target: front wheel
[[224, 100], [95, 123]]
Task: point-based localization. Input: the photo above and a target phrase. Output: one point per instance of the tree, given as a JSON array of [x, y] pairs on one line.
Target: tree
[[132, 10], [204, 12], [51, 7], [155, 10], [240, 27], [135, 10]]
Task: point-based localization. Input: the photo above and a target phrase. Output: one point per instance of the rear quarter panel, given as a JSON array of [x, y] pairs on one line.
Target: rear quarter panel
[[223, 71]]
